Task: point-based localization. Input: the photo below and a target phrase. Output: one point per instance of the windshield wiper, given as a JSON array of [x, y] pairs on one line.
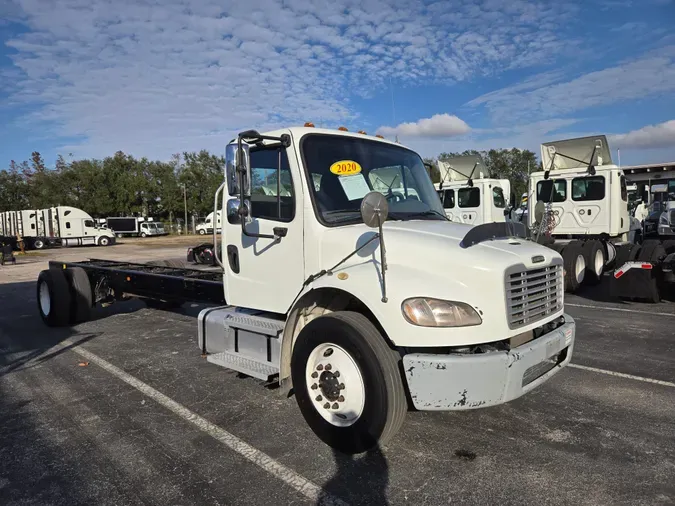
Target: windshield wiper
[[429, 212]]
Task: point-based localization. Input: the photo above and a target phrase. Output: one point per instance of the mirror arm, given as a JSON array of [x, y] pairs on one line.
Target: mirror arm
[[383, 260]]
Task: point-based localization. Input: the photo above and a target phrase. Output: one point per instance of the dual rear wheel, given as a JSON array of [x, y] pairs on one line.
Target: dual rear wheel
[[64, 296]]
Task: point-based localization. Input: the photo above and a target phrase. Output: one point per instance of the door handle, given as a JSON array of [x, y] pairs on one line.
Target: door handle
[[233, 258], [215, 228]]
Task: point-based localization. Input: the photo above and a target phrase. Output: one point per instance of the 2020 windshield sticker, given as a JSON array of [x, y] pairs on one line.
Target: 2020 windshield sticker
[[345, 168]]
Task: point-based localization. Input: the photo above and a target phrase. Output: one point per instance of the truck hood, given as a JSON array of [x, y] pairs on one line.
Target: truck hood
[[426, 259]]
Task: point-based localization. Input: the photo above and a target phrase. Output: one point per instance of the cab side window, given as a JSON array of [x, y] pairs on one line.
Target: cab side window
[[271, 174], [449, 199], [585, 189]]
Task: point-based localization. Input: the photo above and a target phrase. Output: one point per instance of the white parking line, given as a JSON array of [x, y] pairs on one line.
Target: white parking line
[[588, 306], [298, 482], [622, 375]]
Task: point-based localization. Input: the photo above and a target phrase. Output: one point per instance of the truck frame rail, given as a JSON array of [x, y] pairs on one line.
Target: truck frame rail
[[160, 282]]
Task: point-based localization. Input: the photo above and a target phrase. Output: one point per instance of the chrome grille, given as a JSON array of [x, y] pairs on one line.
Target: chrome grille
[[671, 217], [533, 294]]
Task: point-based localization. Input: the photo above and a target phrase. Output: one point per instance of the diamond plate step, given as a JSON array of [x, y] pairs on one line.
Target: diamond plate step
[[252, 323], [234, 361]]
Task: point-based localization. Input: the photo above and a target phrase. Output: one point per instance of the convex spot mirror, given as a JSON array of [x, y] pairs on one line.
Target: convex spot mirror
[[238, 157], [374, 209]]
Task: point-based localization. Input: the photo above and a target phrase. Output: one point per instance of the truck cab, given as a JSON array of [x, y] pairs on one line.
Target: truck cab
[[472, 200], [331, 246], [207, 226]]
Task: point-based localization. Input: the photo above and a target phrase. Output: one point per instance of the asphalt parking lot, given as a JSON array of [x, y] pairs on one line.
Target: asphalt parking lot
[[124, 410]]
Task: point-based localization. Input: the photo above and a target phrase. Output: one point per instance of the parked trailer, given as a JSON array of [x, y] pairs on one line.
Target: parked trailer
[[318, 304], [54, 226]]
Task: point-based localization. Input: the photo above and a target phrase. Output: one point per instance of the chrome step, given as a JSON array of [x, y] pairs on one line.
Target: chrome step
[[251, 367], [253, 323]]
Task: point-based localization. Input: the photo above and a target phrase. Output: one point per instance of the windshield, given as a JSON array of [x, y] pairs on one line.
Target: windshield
[[344, 169]]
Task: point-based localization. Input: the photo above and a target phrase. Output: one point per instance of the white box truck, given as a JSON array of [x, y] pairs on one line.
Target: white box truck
[[133, 226], [333, 290], [54, 226]]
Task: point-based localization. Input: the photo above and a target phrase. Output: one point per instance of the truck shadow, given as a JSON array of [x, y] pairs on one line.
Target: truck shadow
[[359, 479], [32, 463]]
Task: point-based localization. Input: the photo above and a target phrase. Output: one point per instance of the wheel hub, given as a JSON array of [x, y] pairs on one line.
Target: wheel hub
[[329, 385]]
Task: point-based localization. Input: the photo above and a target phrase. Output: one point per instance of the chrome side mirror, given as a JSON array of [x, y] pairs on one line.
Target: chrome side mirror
[[236, 158]]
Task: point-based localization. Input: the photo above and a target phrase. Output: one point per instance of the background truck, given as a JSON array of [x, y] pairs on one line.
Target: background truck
[[206, 227], [472, 200], [332, 288], [578, 206], [133, 226], [54, 226]]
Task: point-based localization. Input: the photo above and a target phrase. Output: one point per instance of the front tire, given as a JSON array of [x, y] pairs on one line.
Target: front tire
[[202, 232], [341, 361], [143, 234], [39, 244], [104, 241], [53, 298]]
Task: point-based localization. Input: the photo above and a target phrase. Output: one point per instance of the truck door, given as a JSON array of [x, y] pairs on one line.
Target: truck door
[[494, 209], [263, 273]]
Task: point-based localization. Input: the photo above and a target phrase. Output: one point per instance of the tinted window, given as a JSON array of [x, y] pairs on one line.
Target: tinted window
[[586, 189], [67, 224], [468, 197], [498, 197], [449, 199], [269, 169], [88, 223], [624, 190], [559, 190]]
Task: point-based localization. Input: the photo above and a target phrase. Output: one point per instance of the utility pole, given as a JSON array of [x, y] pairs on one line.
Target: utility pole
[[185, 204]]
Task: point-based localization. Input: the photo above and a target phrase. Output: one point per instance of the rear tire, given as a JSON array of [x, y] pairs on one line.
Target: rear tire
[[669, 246], [575, 266], [39, 244], [81, 295], [594, 256], [651, 251], [53, 298], [377, 403]]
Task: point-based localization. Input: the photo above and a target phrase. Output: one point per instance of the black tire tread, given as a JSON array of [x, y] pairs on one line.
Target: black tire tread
[[589, 249], [81, 294], [569, 254], [389, 360]]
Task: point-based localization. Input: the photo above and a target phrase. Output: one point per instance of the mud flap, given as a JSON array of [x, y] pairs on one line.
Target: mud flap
[[635, 280]]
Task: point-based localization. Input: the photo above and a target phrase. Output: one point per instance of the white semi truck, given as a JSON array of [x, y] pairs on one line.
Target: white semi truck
[[333, 288], [206, 228], [578, 206], [472, 200], [54, 226]]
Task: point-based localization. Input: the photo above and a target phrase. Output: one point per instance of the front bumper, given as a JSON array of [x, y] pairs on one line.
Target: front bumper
[[458, 382]]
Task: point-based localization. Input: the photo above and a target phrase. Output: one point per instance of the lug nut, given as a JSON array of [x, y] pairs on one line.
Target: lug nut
[[336, 374], [319, 398], [315, 386], [341, 398], [319, 367], [315, 374], [328, 367], [342, 386], [327, 405], [335, 405]]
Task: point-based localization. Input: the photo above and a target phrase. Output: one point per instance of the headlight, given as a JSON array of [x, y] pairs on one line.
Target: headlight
[[427, 312], [663, 220]]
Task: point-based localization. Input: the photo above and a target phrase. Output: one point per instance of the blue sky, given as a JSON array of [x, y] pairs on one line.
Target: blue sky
[[152, 78]]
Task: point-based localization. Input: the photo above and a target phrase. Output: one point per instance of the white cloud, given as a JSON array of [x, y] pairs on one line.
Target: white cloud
[[648, 137], [439, 125], [550, 94], [154, 79]]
